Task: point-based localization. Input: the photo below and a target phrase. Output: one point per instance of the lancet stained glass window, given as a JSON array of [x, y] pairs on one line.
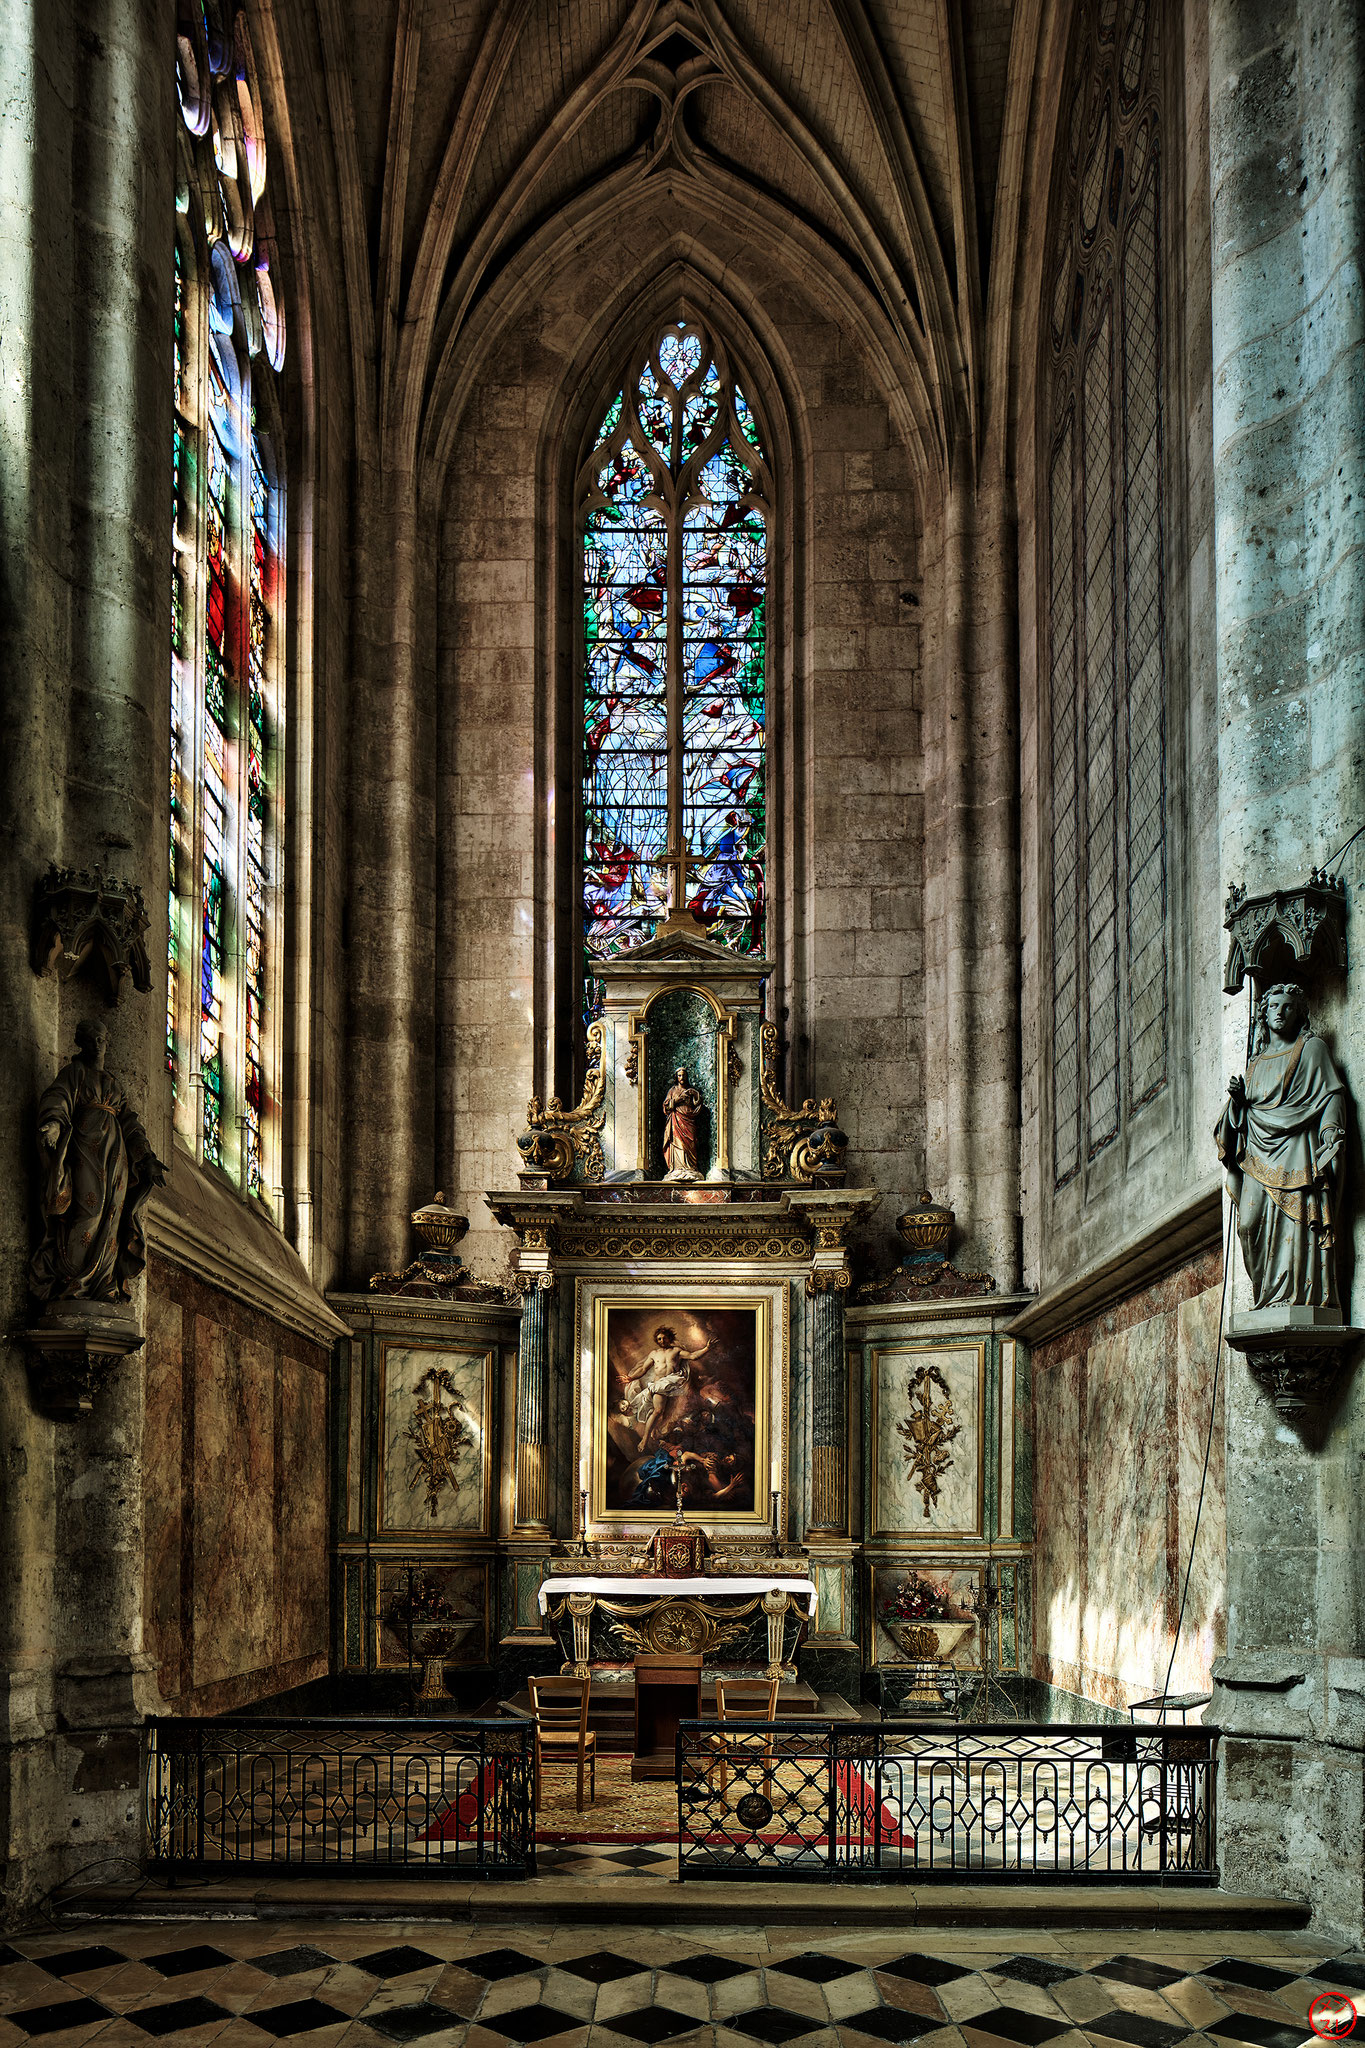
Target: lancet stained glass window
[[226, 838], [1104, 602], [675, 500]]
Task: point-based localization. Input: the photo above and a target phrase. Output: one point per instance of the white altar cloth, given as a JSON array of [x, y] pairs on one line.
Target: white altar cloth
[[646, 1583]]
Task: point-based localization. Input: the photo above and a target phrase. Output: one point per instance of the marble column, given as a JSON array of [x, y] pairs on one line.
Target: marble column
[[533, 1403], [829, 1410], [1288, 180]]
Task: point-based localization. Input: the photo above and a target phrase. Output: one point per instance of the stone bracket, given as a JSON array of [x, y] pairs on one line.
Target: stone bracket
[[74, 1347], [1294, 1356]]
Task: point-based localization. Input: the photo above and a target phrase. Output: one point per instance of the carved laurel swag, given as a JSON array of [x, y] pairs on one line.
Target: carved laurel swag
[[926, 1432]]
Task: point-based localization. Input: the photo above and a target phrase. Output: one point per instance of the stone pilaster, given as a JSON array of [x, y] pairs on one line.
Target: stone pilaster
[[1286, 159]]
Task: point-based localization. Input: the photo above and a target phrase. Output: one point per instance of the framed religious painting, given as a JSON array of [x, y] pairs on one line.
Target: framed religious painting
[[681, 1408], [435, 1474]]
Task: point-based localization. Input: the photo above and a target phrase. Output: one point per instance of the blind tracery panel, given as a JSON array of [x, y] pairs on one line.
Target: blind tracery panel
[[675, 500], [1103, 623], [227, 651]]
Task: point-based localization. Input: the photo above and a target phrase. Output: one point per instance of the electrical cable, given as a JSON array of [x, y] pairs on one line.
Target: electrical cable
[[1213, 1402], [1340, 856]]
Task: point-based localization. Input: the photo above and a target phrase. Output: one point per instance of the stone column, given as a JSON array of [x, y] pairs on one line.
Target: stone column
[[533, 1404], [87, 140], [1286, 139], [971, 893], [391, 951], [829, 1406]]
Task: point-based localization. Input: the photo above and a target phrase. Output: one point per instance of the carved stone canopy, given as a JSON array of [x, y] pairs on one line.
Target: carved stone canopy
[[85, 918], [1306, 923]]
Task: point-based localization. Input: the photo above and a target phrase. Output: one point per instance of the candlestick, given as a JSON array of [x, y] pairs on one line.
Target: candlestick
[[777, 1499], [583, 1520]]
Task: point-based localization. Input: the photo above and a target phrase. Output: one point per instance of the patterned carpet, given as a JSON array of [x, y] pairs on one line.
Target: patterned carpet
[[622, 1812], [337, 1985]]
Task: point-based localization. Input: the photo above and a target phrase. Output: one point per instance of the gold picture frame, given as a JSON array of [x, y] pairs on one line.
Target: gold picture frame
[[706, 1412]]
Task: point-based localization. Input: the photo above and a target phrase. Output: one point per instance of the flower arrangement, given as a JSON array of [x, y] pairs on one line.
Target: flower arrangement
[[915, 1599], [421, 1602]]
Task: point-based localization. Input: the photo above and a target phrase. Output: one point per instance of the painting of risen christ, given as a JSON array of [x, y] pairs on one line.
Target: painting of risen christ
[[679, 1412]]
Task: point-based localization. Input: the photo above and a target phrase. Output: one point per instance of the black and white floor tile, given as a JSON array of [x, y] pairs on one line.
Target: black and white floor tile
[[347, 1985]]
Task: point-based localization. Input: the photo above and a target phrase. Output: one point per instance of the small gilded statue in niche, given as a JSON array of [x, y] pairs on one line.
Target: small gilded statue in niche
[[682, 1121], [1281, 1139], [99, 1170]]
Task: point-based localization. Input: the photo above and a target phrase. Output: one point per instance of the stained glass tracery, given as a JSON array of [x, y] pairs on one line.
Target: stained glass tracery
[[227, 599], [676, 498]]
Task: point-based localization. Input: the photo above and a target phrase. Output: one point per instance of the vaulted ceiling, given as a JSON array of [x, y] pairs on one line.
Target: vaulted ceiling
[[875, 146]]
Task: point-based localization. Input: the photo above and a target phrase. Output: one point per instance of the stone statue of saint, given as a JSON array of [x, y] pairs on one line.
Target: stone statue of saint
[[682, 1114], [1280, 1138], [99, 1171]]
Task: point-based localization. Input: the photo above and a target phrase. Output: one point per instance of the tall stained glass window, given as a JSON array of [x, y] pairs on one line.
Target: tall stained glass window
[[226, 838], [1104, 601], [675, 502]]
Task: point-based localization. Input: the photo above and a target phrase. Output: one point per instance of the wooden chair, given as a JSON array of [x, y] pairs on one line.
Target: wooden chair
[[738, 1700], [561, 1711]]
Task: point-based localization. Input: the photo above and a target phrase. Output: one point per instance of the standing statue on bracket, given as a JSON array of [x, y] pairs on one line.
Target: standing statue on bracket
[[682, 1116], [1281, 1138], [99, 1170]]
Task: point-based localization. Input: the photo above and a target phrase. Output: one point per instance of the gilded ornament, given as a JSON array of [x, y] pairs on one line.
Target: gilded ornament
[[800, 1144], [437, 1433], [926, 1432], [565, 1144]]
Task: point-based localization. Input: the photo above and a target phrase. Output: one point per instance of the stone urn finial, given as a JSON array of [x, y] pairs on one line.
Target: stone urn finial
[[925, 1231], [439, 1228]]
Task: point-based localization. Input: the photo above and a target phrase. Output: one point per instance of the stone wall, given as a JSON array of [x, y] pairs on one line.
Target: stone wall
[[235, 1472], [1120, 1423]]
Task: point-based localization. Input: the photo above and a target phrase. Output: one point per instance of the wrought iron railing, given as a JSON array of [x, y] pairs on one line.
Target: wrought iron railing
[[406, 1796], [909, 1800]]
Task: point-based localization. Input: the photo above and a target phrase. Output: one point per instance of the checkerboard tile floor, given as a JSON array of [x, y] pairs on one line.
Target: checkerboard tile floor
[[367, 1986]]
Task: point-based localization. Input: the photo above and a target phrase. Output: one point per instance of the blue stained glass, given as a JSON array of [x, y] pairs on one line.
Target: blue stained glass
[[678, 465]]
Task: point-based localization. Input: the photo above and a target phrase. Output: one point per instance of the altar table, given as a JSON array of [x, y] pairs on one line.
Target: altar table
[[756, 1620]]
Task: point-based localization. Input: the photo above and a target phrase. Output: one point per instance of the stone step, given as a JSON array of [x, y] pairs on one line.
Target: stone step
[[603, 1902]]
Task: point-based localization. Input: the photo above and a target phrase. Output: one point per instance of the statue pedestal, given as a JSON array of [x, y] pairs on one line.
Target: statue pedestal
[[75, 1345], [1294, 1352]]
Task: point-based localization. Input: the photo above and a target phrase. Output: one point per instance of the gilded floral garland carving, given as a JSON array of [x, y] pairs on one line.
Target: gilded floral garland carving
[[437, 1433], [926, 1432]]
